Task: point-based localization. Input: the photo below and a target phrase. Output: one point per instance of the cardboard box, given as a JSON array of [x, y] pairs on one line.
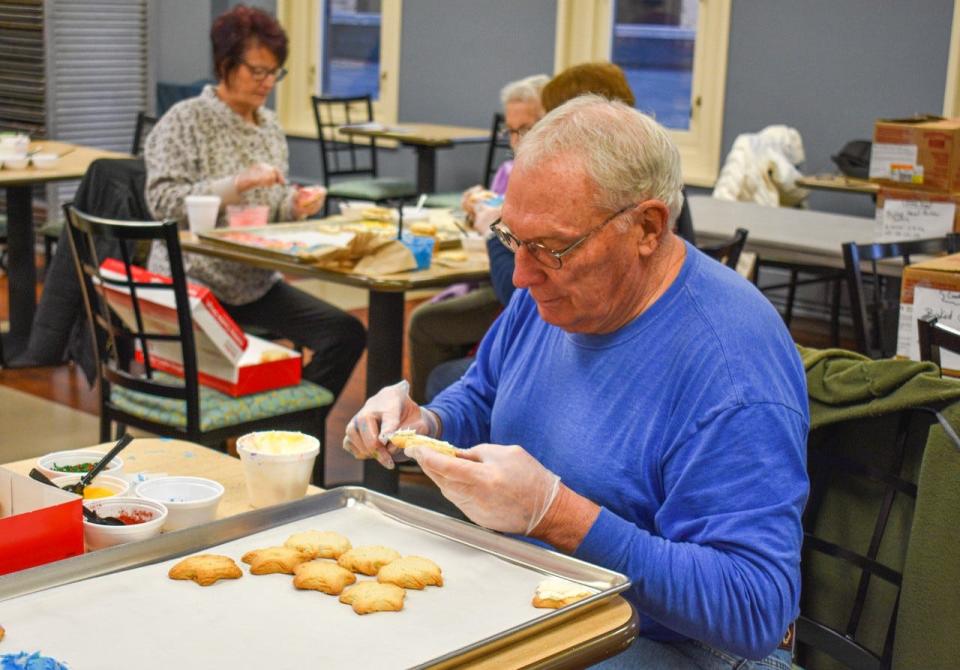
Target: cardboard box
[[216, 334], [38, 523], [929, 287], [263, 366], [918, 214], [921, 152]]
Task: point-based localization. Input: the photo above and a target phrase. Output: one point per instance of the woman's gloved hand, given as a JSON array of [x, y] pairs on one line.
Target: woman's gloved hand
[[258, 175], [383, 414], [499, 487]]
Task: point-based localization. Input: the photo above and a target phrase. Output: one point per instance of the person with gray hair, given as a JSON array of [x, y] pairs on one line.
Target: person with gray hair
[[637, 405], [445, 329]]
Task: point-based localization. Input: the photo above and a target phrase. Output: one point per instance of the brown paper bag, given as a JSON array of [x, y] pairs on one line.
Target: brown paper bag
[[389, 258]]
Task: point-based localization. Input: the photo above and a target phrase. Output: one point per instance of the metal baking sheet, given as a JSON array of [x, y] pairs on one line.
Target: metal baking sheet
[[448, 236], [151, 621]]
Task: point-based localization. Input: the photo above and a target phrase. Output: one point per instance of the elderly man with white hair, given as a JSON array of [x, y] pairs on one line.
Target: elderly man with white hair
[[637, 405]]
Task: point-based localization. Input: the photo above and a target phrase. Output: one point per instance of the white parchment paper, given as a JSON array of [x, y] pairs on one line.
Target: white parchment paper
[[142, 619]]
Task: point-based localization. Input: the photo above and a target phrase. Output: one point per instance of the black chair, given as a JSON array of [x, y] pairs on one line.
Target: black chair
[[727, 252], [875, 318], [857, 525], [498, 149], [132, 392], [932, 336], [355, 158], [144, 125]]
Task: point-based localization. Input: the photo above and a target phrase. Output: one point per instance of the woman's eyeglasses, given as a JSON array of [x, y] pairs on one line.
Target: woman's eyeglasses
[[508, 134], [261, 73], [550, 257]]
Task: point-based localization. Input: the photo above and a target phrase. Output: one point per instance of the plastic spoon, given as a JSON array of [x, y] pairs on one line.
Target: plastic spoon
[[100, 465], [419, 208], [92, 516]]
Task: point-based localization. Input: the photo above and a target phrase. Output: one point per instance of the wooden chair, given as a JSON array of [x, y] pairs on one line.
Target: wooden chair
[[857, 523], [875, 316], [933, 336], [727, 252], [144, 125], [138, 395], [355, 159]]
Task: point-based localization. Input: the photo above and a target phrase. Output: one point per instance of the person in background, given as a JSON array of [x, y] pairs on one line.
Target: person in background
[[446, 329], [637, 405], [225, 142], [605, 79]]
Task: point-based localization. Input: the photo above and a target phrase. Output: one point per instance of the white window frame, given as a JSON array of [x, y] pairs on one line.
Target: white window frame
[[301, 20], [584, 34], [951, 94]]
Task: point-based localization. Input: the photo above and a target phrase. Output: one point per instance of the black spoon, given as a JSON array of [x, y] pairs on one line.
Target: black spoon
[[100, 465], [91, 516]]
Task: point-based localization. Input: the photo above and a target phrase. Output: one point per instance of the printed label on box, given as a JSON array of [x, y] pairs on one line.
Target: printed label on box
[[884, 156], [944, 305], [913, 220]]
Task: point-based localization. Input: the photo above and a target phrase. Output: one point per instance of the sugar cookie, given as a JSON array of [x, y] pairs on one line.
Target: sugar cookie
[[554, 592], [318, 544], [205, 569], [367, 560], [411, 572], [408, 438], [323, 576], [273, 559], [367, 597]]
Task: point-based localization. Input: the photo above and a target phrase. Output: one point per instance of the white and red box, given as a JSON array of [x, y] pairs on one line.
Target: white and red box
[[38, 523], [263, 366], [228, 359]]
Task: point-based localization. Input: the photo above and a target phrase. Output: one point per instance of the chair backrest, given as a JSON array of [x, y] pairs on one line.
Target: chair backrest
[[92, 239], [498, 149], [144, 125], [875, 314], [857, 524], [357, 157], [933, 335], [727, 252]]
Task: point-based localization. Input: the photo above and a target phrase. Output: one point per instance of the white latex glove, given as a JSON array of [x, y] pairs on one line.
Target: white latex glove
[[308, 201], [383, 414], [484, 216], [499, 487], [257, 175]]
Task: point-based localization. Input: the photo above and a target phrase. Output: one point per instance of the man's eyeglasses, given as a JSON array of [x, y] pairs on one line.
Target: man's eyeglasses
[[549, 257], [261, 73]]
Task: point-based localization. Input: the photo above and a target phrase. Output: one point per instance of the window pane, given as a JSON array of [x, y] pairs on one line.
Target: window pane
[[653, 42], [350, 60]]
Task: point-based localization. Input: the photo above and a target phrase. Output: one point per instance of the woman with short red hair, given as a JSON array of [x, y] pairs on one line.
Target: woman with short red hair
[[225, 142]]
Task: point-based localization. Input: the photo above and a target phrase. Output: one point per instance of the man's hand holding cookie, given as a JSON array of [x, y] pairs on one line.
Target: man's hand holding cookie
[[368, 433]]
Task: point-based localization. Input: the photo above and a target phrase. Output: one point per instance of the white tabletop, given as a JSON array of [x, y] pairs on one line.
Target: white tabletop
[[781, 234]]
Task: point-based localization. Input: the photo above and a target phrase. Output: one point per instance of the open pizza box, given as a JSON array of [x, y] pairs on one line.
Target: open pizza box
[[228, 359], [38, 523]]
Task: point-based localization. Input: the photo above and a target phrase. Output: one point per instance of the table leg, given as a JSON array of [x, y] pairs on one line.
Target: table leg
[[21, 269], [426, 168], [384, 367]]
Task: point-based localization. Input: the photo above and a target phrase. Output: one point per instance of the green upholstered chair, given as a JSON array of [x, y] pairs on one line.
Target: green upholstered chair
[[136, 394], [350, 167]]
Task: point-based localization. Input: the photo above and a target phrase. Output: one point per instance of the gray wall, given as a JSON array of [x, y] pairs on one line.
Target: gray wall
[[827, 68]]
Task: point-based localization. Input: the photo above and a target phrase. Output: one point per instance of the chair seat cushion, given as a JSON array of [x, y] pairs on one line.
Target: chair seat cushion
[[218, 410], [444, 200], [381, 188]]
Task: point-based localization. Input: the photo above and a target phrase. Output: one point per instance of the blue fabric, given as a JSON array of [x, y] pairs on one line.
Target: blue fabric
[[687, 426], [688, 655], [446, 374], [501, 269]]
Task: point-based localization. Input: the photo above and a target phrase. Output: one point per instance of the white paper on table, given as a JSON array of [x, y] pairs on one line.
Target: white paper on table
[[882, 156], [945, 305], [263, 621], [913, 220], [308, 238]]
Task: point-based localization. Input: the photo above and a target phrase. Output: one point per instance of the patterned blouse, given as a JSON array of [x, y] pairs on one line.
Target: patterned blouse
[[198, 147]]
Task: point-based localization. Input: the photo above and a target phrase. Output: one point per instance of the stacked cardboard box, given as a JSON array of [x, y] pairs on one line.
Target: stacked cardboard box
[[916, 163]]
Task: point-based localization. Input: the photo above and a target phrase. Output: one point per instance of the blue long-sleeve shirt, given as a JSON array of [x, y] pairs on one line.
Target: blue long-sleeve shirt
[[687, 426]]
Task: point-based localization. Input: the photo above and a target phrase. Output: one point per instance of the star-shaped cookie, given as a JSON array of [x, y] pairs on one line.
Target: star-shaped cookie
[[367, 560], [273, 559], [411, 572], [368, 597], [318, 544], [206, 569], [323, 576]]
